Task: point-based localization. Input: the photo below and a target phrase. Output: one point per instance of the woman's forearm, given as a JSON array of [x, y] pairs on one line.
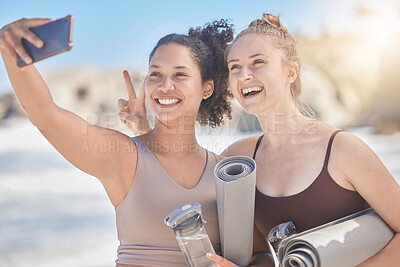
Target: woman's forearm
[[388, 256], [31, 91]]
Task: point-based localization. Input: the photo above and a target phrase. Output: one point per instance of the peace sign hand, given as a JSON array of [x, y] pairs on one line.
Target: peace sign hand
[[132, 113]]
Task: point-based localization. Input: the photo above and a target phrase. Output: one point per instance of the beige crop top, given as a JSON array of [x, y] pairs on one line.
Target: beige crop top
[[144, 238]]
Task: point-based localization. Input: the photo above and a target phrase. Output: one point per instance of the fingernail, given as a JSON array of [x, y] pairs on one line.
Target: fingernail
[[209, 254], [28, 60], [39, 43]]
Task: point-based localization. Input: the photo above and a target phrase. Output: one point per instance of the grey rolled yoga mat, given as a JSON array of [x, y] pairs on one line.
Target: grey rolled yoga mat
[[235, 180], [345, 242]]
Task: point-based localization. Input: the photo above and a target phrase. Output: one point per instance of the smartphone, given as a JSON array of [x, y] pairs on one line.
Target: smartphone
[[57, 38]]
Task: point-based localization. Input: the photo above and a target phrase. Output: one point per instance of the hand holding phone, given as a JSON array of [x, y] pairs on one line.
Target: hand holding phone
[[31, 40]]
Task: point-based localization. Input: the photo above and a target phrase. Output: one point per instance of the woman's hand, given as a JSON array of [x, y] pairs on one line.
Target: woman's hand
[[132, 113], [220, 261], [261, 259], [11, 35]]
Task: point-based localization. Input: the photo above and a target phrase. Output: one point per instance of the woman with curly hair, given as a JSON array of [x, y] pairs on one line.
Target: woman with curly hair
[[308, 172], [148, 176]]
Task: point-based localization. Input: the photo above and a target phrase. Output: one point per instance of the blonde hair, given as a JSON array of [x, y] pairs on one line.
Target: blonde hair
[[271, 26]]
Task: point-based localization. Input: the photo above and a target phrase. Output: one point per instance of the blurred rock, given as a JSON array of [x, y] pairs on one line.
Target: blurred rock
[[91, 93], [9, 106], [320, 93], [385, 110], [242, 122], [340, 77], [346, 79], [5, 104]]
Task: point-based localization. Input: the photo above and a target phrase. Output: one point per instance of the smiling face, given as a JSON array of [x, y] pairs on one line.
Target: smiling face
[[257, 76], [174, 86]]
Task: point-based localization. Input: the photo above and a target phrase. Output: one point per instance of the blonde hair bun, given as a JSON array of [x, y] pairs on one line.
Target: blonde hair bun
[[269, 19]]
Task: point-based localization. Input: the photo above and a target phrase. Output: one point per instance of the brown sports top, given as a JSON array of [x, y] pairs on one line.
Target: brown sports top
[[323, 201]]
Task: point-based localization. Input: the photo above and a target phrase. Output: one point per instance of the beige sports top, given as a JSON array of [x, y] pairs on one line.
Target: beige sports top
[[144, 237]]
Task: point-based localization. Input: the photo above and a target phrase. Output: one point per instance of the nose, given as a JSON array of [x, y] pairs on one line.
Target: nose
[[166, 85], [245, 74]]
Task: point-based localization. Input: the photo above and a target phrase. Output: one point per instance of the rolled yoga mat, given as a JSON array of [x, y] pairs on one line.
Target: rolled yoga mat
[[344, 242], [235, 180]]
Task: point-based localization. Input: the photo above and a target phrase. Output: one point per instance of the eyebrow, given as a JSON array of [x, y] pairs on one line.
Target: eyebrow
[[181, 67], [232, 60], [176, 67], [255, 55]]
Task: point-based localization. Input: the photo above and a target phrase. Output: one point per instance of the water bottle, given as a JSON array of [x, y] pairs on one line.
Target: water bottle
[[188, 226]]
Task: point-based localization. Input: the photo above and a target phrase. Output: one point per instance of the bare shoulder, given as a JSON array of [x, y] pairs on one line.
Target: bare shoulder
[[243, 147], [353, 159], [347, 145]]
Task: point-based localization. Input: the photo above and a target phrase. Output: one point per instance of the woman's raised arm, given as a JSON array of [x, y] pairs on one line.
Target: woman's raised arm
[[77, 140]]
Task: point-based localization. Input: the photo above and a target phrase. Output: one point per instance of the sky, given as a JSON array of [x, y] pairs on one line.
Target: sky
[[121, 34]]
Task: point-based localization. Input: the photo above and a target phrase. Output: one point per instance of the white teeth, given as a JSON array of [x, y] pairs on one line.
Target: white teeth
[[168, 101], [251, 89]]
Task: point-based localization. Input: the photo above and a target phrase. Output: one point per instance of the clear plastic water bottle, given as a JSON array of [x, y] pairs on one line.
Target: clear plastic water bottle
[[188, 226]]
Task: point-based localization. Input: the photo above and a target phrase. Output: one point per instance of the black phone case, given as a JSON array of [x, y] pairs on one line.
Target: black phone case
[[57, 38]]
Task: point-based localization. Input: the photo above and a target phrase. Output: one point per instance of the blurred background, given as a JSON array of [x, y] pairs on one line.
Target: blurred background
[[52, 213]]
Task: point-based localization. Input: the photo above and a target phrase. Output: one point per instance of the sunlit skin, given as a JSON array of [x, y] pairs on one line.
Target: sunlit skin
[[253, 61], [174, 75]]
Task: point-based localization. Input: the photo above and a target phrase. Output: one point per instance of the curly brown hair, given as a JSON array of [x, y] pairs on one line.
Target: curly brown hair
[[207, 46]]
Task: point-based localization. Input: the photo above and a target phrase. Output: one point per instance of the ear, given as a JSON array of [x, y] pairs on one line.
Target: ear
[[292, 72], [208, 89]]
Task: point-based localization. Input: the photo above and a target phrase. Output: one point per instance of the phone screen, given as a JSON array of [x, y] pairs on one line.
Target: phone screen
[[57, 38]]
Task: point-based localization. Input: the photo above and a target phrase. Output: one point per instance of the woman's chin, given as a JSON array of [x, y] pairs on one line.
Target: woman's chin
[[178, 119], [253, 109], [167, 118]]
